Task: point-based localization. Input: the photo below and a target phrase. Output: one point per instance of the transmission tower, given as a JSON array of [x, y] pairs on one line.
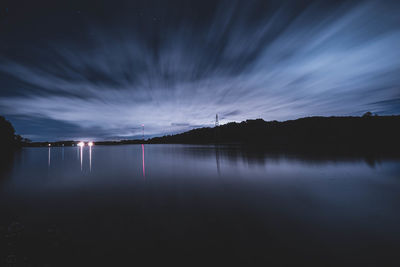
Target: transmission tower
[[216, 129]]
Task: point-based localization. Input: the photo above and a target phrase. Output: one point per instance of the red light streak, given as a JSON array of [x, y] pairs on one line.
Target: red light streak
[[144, 170]]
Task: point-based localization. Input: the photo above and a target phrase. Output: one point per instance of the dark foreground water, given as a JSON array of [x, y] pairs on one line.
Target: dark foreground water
[[197, 205]]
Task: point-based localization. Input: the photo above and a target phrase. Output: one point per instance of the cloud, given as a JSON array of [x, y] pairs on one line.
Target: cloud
[[284, 64], [179, 124]]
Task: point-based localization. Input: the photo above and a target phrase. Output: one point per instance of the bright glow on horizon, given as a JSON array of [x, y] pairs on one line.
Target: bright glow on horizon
[[81, 144], [90, 144]]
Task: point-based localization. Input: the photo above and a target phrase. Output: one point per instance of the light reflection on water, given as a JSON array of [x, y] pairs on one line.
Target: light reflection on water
[[144, 170], [81, 153], [204, 197], [49, 160], [225, 156], [90, 158]]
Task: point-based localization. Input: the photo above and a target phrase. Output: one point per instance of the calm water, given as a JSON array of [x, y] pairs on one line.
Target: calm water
[[197, 205]]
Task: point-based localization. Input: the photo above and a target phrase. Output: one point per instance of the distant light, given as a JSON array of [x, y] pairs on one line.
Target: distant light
[[90, 144], [81, 144], [49, 144]]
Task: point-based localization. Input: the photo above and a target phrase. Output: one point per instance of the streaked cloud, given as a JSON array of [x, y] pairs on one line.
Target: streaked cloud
[[282, 64]]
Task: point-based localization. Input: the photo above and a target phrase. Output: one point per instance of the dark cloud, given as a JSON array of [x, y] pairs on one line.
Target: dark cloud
[[232, 113], [100, 70], [180, 124]]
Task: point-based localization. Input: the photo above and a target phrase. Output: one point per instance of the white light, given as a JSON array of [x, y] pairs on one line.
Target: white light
[[81, 144], [49, 144], [90, 144]]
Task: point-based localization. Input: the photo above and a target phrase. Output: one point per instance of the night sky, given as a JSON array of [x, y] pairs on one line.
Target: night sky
[[100, 69]]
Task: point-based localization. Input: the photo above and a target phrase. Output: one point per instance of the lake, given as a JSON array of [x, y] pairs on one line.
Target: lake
[[192, 204]]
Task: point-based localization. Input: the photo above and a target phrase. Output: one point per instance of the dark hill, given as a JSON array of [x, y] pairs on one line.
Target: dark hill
[[377, 133]]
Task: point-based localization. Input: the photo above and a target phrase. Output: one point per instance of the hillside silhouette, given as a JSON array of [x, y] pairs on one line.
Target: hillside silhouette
[[366, 133]]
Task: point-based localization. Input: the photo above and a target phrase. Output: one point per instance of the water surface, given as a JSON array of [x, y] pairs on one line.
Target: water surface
[[65, 206]]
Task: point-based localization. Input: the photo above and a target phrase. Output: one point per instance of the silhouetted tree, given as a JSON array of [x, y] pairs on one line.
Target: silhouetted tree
[[8, 139], [367, 114], [7, 132]]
